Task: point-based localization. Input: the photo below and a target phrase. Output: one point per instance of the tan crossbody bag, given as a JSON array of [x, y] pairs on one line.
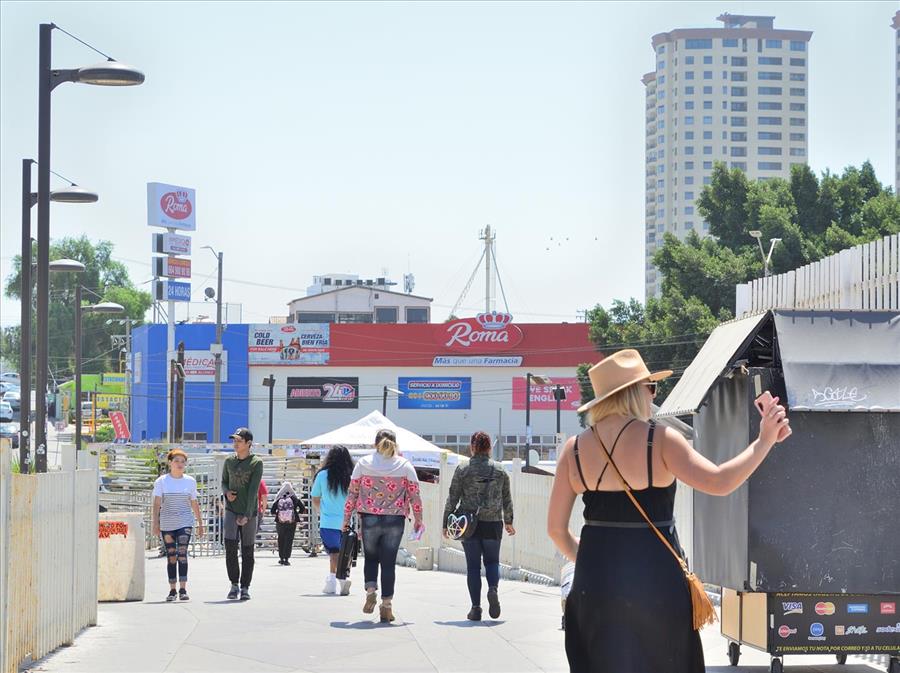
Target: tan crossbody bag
[[703, 611]]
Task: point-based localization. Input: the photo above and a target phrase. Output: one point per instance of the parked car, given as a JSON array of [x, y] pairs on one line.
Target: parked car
[[7, 386], [11, 377], [14, 399], [6, 412], [10, 431]]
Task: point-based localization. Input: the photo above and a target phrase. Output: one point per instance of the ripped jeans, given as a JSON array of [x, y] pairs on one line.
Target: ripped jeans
[[176, 542]]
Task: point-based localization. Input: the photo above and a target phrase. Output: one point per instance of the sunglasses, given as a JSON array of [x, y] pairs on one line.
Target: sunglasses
[[652, 386]]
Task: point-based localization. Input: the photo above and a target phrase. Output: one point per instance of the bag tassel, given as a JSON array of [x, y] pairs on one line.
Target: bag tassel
[[703, 611]]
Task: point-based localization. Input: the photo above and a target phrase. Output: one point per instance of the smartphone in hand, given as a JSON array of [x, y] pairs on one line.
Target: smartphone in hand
[[763, 402]]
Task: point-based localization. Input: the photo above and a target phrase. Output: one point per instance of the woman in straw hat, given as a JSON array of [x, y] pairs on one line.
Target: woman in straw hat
[[630, 607]]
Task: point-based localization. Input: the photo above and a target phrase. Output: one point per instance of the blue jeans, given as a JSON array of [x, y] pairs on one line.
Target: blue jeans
[[476, 549], [381, 536]]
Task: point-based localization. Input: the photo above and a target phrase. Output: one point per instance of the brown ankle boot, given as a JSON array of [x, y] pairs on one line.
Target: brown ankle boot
[[371, 599], [387, 613]]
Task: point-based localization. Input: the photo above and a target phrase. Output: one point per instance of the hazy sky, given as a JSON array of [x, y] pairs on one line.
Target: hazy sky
[[358, 137]]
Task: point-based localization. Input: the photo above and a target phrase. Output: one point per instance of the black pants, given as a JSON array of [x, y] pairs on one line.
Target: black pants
[[286, 533], [239, 573]]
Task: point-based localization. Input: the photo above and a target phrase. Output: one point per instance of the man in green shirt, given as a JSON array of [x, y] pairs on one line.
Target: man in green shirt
[[240, 483]]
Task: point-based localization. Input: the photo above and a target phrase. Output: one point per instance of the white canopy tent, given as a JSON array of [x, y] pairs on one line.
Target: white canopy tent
[[361, 435]]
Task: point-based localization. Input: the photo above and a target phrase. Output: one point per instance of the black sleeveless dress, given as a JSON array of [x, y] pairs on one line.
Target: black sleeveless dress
[[629, 610]]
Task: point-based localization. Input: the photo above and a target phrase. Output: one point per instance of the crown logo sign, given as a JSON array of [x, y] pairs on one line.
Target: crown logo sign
[[181, 197], [493, 320]]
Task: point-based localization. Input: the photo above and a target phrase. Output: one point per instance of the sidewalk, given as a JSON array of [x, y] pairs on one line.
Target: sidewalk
[[289, 626]]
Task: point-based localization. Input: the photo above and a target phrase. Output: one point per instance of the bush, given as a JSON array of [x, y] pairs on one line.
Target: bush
[[104, 433]]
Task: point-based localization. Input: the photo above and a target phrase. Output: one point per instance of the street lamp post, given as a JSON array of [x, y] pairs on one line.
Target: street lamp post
[[757, 234], [540, 380], [110, 73], [269, 382], [384, 399], [72, 194], [103, 307], [217, 352], [559, 394]]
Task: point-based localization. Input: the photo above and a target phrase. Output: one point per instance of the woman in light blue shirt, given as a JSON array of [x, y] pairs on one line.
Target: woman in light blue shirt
[[329, 494]]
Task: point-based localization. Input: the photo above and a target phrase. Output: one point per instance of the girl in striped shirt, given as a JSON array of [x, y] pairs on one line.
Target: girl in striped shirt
[[174, 508]]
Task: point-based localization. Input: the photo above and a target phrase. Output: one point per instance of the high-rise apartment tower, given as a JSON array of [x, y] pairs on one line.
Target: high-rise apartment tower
[[736, 94]]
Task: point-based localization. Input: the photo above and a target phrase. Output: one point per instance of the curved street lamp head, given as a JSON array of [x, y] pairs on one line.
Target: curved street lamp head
[[110, 73], [104, 307], [755, 233], [63, 265], [73, 194]]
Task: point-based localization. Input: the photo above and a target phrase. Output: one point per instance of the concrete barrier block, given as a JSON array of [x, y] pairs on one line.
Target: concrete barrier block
[[120, 557]]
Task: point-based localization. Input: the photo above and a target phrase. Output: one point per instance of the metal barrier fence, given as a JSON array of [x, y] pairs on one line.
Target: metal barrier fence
[[48, 560], [128, 473]]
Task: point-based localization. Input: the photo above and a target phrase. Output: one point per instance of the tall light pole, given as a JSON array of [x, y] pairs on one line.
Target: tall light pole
[[540, 380], [757, 234], [217, 350], [72, 194], [103, 307], [109, 73]]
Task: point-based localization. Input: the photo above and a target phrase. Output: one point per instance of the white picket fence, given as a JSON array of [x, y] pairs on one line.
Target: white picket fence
[[865, 277], [48, 560]]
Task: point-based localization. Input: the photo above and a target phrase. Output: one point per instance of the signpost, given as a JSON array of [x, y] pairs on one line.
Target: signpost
[[174, 208]]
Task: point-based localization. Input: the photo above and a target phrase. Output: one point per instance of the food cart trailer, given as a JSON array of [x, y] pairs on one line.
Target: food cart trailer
[[807, 551]]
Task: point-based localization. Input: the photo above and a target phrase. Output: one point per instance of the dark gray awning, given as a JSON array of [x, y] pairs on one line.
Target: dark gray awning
[[722, 348], [840, 360]]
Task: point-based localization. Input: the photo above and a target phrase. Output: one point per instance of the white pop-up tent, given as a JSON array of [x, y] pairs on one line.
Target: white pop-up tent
[[361, 434]]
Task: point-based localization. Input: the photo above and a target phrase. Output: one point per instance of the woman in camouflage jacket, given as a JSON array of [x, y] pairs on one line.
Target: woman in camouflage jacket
[[482, 486]]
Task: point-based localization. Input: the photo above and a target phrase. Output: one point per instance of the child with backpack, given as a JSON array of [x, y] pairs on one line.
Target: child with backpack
[[286, 509]]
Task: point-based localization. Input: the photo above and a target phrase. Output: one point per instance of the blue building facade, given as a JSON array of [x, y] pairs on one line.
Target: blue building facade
[[150, 369]]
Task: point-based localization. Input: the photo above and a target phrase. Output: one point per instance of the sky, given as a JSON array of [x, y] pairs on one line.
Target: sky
[[375, 138]]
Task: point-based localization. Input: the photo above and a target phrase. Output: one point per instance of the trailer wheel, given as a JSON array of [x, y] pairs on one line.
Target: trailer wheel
[[734, 653], [776, 666], [841, 659]]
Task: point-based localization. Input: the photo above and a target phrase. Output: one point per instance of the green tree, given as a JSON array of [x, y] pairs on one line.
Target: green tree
[[813, 218], [104, 279]]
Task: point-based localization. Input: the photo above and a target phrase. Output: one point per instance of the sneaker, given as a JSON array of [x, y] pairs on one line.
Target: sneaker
[[345, 587], [386, 613], [474, 614], [172, 596], [281, 561], [234, 592], [371, 599], [330, 585], [287, 562], [493, 603], [183, 595], [245, 593]]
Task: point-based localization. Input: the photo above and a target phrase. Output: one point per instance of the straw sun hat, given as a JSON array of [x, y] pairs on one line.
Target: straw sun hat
[[617, 372]]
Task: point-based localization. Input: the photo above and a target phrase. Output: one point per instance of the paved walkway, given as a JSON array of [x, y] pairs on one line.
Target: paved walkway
[[289, 626]]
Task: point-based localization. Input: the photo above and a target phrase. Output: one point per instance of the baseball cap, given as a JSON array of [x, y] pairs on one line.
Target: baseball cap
[[242, 433]]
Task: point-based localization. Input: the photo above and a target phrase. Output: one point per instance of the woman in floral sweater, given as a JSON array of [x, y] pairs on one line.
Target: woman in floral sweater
[[383, 489]]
